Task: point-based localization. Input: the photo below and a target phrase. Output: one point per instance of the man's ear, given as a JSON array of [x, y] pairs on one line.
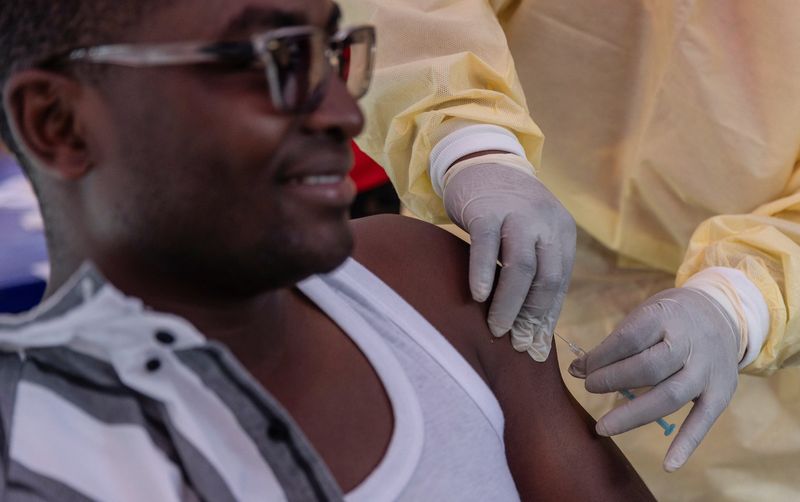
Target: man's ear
[[41, 108]]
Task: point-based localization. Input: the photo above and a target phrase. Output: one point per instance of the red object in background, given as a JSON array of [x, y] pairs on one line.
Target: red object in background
[[367, 173]]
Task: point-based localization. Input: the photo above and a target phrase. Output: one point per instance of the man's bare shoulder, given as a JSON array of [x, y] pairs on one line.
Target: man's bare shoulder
[[428, 267], [407, 253]]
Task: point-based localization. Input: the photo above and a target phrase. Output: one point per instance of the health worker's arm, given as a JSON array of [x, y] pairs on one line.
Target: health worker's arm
[[441, 64], [551, 446], [764, 246], [736, 309], [446, 89]]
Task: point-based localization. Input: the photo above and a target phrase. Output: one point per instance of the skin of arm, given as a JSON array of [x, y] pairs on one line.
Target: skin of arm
[[551, 446]]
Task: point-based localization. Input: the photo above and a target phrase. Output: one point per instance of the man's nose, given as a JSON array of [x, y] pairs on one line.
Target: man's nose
[[337, 113]]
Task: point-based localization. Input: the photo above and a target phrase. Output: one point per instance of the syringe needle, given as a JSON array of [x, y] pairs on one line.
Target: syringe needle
[[575, 349], [572, 346]]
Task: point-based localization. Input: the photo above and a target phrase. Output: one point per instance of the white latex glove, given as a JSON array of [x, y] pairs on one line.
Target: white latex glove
[[681, 342], [509, 213]]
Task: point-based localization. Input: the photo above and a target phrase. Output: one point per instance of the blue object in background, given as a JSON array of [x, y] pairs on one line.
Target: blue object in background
[[23, 253]]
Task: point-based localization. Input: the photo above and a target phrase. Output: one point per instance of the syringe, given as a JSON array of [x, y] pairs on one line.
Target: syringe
[[575, 349]]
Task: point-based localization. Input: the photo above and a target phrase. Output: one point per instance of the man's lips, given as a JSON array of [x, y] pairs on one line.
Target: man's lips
[[318, 179], [333, 191], [316, 166], [321, 178]]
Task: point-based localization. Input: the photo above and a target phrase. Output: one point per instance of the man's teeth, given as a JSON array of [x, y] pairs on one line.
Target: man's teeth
[[323, 179]]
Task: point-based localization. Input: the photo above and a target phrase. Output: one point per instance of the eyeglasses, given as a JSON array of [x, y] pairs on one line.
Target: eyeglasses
[[298, 60]]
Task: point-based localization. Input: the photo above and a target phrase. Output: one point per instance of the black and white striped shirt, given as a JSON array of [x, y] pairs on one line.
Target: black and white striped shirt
[[102, 399]]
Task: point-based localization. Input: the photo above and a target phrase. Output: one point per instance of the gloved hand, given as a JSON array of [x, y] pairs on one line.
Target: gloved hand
[[509, 212], [681, 342]]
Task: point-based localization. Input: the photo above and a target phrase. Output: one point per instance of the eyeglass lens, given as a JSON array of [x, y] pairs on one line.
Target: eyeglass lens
[[302, 67], [355, 62]]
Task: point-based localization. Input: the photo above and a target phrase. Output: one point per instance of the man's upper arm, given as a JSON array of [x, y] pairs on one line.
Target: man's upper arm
[[551, 446]]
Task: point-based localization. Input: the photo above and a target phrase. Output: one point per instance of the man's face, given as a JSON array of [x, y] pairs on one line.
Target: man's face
[[197, 173]]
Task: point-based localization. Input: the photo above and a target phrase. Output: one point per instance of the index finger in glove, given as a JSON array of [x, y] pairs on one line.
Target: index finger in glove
[[484, 248], [639, 331], [516, 277], [647, 368]]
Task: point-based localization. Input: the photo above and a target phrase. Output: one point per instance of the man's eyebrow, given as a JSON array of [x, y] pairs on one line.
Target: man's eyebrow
[[252, 18]]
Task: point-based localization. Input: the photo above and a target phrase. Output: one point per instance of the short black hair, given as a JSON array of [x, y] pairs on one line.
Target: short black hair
[[33, 30]]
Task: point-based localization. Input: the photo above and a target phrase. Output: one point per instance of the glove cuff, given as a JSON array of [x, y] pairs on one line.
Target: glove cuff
[[465, 141], [742, 301], [499, 161]]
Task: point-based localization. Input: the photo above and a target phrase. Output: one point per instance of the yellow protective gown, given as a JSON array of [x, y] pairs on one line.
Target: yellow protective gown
[[673, 134]]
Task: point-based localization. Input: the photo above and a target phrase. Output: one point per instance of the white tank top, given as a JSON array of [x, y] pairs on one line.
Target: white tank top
[[447, 442]]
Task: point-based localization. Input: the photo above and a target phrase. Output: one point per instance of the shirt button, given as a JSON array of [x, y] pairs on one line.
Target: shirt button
[[153, 365], [278, 432], [165, 337]]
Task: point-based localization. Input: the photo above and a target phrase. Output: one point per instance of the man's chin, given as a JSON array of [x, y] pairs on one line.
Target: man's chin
[[333, 256], [319, 253]]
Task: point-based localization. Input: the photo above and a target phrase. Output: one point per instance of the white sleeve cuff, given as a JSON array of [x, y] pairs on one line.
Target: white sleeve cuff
[[465, 141], [742, 300]]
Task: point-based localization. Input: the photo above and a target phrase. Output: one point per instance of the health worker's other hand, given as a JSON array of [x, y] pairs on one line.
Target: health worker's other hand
[[509, 213], [682, 343]]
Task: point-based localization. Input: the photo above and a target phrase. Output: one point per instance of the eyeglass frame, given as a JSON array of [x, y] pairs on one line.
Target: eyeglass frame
[[260, 44]]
